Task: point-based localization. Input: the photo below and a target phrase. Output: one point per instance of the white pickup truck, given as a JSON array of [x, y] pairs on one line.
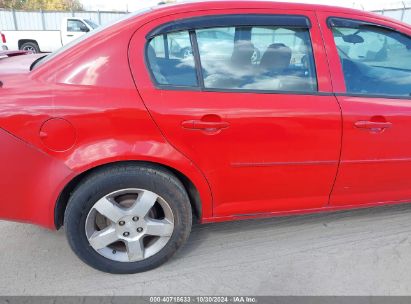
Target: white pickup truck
[[47, 41], [3, 46]]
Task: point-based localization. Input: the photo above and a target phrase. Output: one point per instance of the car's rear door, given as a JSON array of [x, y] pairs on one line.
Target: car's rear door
[[370, 61], [258, 118]]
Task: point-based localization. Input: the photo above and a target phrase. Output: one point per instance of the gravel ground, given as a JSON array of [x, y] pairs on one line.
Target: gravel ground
[[362, 252]]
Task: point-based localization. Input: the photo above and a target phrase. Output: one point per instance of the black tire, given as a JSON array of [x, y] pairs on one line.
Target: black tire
[[30, 46], [105, 181]]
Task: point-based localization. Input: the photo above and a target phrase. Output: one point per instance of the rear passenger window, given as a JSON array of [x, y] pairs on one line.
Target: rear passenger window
[[228, 52], [171, 61], [257, 58], [375, 61]]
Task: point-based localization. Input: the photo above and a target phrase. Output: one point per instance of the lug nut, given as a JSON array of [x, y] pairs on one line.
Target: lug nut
[[139, 229], [126, 234], [135, 218], [122, 223]]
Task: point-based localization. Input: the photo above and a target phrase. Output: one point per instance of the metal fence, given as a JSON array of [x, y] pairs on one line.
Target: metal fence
[[403, 14], [49, 20]]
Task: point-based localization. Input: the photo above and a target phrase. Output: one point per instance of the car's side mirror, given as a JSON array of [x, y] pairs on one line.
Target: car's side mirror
[[353, 38], [84, 29]]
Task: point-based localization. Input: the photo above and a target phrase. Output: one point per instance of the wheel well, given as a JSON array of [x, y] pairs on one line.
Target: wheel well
[[23, 41], [65, 194]]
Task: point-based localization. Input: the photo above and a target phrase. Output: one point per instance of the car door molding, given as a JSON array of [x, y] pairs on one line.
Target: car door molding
[[245, 91], [293, 163], [382, 96]]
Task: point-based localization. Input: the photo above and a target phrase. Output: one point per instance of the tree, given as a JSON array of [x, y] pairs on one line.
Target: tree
[[9, 4], [58, 5], [166, 2]]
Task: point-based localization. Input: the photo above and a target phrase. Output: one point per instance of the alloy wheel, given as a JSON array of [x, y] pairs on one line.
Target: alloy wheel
[[129, 225]]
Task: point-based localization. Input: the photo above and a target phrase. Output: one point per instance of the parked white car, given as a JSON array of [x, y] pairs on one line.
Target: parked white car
[[47, 41]]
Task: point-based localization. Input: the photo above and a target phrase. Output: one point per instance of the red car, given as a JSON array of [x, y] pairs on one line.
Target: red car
[[209, 112]]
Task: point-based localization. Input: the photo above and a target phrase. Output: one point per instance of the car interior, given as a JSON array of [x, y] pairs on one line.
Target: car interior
[[370, 65], [244, 68]]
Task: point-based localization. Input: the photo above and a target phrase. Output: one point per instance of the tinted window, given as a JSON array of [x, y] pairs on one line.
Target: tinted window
[[374, 60], [76, 26], [91, 23], [257, 58], [171, 61]]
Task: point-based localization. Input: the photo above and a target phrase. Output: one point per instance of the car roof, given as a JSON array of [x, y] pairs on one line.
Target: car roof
[[221, 4], [194, 5]]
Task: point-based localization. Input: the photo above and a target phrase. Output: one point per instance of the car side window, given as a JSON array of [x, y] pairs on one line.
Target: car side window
[[375, 60], [258, 58], [171, 61], [76, 26]]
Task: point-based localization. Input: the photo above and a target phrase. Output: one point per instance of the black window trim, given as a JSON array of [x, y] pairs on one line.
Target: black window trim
[[368, 95], [243, 91], [357, 24], [276, 92], [213, 21], [200, 87], [166, 46], [197, 59], [354, 23]]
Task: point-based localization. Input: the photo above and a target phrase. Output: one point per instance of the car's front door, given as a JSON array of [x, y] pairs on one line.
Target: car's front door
[[258, 118], [371, 68]]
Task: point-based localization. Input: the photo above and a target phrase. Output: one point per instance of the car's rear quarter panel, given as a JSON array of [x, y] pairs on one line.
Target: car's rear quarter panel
[[30, 181], [91, 87]]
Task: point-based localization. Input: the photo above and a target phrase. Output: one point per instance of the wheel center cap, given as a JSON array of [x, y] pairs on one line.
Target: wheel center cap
[[130, 226]]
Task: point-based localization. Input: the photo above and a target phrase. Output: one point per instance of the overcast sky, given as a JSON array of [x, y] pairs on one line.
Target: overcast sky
[[131, 5]]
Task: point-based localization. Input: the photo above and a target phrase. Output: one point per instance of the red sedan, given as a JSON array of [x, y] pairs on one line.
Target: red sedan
[[210, 112]]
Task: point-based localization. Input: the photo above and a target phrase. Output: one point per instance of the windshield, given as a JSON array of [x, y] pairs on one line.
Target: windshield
[[91, 23], [47, 58]]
